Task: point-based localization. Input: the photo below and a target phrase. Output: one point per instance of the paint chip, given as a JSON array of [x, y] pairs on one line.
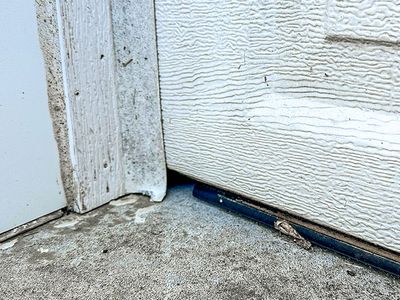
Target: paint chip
[[66, 224], [284, 227], [8, 245], [141, 214], [125, 201]]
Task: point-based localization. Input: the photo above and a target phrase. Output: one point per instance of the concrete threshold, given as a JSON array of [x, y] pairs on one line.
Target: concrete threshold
[[181, 248]]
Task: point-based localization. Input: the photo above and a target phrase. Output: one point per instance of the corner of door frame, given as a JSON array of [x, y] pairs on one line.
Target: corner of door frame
[[103, 155], [49, 39]]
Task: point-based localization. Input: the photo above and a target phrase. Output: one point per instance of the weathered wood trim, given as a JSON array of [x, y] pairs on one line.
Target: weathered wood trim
[[138, 97], [90, 74], [106, 112]]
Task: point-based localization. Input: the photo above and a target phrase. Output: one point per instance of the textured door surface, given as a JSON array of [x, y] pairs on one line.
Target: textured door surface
[[29, 180], [291, 103]]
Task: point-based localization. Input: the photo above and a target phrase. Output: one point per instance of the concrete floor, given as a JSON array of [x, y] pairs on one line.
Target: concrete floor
[[179, 249]]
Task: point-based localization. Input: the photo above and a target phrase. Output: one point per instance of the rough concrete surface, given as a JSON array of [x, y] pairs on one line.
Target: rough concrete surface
[[181, 248]]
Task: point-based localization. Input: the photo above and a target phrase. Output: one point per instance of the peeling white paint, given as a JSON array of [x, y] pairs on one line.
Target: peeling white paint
[[66, 224], [125, 201], [43, 250], [113, 106], [142, 213], [8, 245], [138, 97], [90, 73]]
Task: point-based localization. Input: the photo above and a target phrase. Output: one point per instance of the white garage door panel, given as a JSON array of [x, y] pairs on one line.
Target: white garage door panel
[[373, 20], [258, 99], [29, 180]]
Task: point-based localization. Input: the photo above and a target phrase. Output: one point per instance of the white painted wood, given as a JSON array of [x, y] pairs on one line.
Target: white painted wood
[[113, 107], [138, 97], [92, 105], [261, 98], [30, 179]]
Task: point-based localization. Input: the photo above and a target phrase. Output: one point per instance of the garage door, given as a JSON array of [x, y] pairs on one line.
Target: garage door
[[291, 103]]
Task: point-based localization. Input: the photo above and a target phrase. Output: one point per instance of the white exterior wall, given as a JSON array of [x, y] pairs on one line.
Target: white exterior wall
[[291, 103], [30, 179]]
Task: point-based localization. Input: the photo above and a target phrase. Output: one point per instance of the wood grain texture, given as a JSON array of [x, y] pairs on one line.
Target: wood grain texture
[[92, 103], [113, 106], [257, 100]]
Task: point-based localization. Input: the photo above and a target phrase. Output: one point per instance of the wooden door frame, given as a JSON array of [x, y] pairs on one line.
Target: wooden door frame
[[86, 105]]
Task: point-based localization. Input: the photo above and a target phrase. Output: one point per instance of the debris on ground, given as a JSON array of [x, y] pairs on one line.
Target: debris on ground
[[284, 227]]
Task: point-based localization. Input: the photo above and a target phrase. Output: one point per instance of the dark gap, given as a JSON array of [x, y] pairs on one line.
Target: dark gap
[[175, 179]]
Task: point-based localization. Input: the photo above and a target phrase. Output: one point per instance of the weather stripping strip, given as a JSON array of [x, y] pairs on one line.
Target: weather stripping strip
[[341, 243]]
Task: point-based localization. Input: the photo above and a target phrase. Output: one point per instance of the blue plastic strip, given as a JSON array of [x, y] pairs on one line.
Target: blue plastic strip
[[227, 201]]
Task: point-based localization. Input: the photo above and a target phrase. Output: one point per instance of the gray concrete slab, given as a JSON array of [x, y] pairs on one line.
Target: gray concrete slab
[[179, 249]]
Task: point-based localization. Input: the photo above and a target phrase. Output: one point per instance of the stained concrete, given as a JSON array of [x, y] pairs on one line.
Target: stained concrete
[[179, 249]]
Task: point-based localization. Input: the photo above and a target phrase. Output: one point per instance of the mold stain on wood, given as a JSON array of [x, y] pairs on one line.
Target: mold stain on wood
[[110, 144], [139, 109]]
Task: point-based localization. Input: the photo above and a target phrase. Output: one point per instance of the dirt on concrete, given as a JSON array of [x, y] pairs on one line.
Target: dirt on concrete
[[179, 249]]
